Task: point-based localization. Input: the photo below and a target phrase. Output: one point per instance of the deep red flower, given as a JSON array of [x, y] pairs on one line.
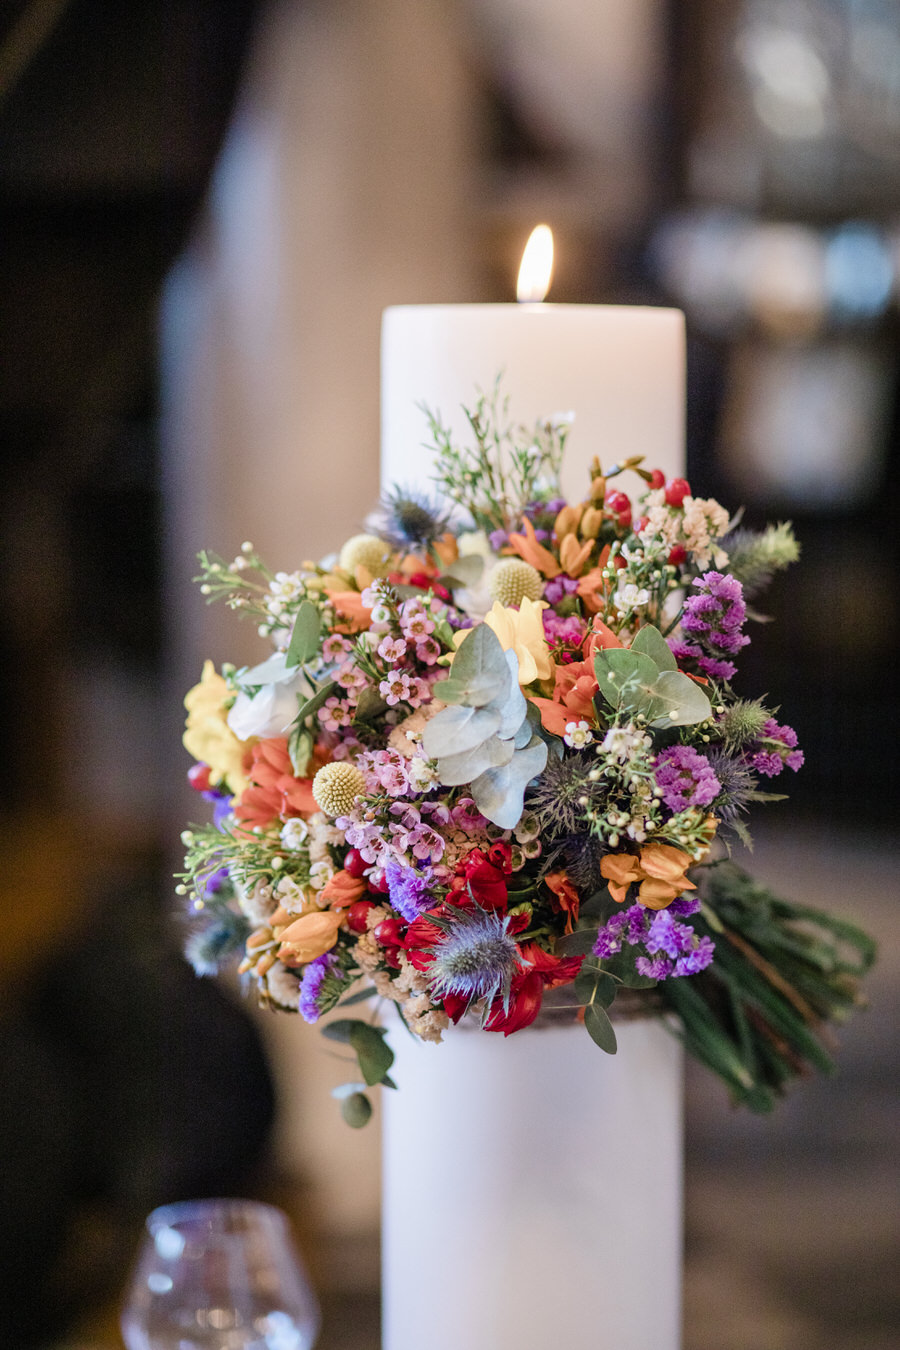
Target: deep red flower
[[542, 970], [485, 876]]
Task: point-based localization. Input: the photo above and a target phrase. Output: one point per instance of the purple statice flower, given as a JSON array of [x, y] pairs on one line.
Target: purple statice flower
[[559, 588], [497, 539], [476, 958], [778, 749], [409, 891], [716, 615], [311, 986], [670, 948], [686, 778], [710, 665]]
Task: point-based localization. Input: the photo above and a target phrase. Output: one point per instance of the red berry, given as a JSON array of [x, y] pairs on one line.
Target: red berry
[[387, 933], [378, 884], [677, 555], [678, 489], [641, 524], [657, 479], [355, 863], [618, 502], [624, 519], [392, 957], [199, 777], [357, 915]]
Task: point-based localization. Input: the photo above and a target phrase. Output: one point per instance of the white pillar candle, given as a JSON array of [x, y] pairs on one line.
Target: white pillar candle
[[619, 369], [532, 1185], [532, 1191]]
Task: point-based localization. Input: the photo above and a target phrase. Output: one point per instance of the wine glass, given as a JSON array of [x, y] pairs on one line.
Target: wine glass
[[219, 1275]]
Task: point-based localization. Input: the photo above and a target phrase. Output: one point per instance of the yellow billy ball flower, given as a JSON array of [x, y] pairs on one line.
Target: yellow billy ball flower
[[336, 787], [368, 551], [514, 580]]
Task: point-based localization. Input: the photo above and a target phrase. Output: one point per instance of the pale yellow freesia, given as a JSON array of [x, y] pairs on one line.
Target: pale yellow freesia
[[522, 631], [208, 737]]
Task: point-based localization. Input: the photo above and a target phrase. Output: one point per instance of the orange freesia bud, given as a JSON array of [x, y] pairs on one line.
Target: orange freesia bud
[[567, 521], [308, 937], [573, 555], [527, 547], [666, 863], [621, 871], [342, 890], [598, 489]]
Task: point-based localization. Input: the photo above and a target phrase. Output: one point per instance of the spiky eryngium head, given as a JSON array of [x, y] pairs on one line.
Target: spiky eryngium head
[[743, 723], [513, 580], [408, 519], [476, 958], [556, 797], [736, 782], [336, 787]]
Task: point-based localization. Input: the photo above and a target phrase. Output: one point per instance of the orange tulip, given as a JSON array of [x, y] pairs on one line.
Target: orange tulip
[[567, 896]]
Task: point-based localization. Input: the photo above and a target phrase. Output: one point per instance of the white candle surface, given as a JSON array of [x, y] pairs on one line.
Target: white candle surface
[[620, 369]]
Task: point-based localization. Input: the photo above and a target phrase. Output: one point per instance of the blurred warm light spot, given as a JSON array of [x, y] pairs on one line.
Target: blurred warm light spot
[[537, 265]]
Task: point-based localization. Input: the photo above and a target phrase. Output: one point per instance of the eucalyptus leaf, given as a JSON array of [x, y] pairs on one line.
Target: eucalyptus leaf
[[372, 1050], [455, 770], [458, 728], [300, 749], [593, 985], [356, 1110], [312, 705], [513, 708], [341, 1029], [480, 670], [686, 702], [304, 643], [499, 793], [464, 571], [651, 642], [600, 1028], [369, 705], [630, 666]]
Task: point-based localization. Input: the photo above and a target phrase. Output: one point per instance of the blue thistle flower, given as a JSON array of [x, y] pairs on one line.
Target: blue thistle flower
[[410, 520], [476, 959]]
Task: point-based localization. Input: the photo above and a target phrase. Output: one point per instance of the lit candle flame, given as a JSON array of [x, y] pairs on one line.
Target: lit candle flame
[[537, 265]]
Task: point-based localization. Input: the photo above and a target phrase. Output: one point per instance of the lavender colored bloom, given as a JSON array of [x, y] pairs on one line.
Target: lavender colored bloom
[[692, 962], [777, 749], [686, 778], [408, 890], [559, 587], [311, 986], [563, 632], [216, 880], [768, 763], [497, 539], [670, 948], [717, 614]]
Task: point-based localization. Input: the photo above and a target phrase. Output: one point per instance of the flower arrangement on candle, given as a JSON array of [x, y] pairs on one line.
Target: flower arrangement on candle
[[492, 767]]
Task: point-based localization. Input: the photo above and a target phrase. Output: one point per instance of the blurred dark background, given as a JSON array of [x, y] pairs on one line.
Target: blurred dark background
[[741, 162]]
